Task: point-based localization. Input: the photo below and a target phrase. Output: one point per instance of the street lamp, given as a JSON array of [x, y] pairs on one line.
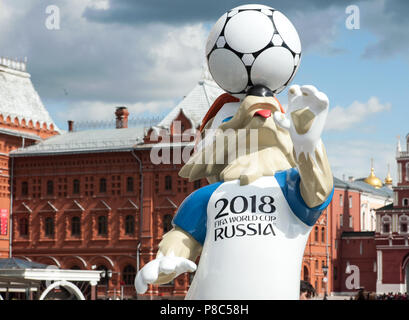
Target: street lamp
[[325, 271]]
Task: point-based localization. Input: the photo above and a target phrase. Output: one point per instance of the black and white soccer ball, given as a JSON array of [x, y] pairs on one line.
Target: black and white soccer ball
[[253, 45]]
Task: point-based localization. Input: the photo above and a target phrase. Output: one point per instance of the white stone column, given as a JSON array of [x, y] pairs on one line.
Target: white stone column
[[379, 271]]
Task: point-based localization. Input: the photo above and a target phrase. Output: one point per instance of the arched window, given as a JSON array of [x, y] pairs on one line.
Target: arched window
[[50, 187], [128, 275], [322, 234], [102, 225], [102, 185], [341, 200], [316, 231], [350, 202], [130, 225], [75, 226], [49, 227], [167, 223], [75, 267], [306, 274], [24, 188], [168, 183], [23, 226], [129, 184], [76, 186], [405, 202]]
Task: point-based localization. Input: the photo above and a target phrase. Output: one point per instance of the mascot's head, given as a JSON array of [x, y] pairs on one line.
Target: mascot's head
[[246, 146]]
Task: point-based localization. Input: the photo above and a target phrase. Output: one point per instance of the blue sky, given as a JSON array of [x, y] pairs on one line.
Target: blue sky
[[148, 54]]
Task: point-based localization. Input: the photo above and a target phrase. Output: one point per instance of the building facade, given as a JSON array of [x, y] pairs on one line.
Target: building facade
[[392, 233], [102, 199]]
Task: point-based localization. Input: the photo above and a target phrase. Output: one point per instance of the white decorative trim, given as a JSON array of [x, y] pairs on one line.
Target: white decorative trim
[[72, 288], [55, 261]]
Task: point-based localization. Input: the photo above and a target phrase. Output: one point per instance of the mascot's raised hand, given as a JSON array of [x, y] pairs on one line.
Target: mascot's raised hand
[[307, 113]]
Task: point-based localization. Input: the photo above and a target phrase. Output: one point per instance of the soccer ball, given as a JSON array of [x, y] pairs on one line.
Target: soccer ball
[[253, 45]]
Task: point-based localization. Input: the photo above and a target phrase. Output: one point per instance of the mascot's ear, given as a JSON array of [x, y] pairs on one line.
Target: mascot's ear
[[216, 106]]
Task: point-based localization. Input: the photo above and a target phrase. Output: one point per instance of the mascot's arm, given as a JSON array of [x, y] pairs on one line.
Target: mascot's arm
[[179, 243], [308, 109], [181, 246]]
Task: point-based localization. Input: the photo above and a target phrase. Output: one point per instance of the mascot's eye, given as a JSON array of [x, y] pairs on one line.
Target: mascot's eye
[[227, 119]]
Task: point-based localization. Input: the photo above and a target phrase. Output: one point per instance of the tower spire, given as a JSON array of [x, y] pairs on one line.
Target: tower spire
[[388, 179]]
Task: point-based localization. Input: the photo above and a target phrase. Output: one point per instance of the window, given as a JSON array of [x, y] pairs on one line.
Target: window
[[76, 186], [405, 202], [316, 265], [75, 226], [128, 275], [316, 234], [341, 200], [322, 234], [197, 184], [102, 225], [129, 184], [102, 185], [351, 222], [168, 183], [23, 226], [50, 187], [341, 220], [49, 227], [350, 202], [167, 223], [129, 225], [386, 224], [24, 188], [403, 224]]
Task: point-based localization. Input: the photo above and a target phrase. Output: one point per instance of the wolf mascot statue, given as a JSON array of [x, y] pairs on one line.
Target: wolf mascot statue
[[250, 225]]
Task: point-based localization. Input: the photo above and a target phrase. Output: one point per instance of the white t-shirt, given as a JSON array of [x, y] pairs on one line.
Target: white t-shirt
[[253, 240]]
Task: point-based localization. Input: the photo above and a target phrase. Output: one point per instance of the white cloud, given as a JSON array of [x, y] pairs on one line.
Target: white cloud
[[353, 158], [101, 111], [340, 118]]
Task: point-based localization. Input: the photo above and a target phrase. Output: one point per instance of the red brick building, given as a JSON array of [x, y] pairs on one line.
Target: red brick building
[[392, 233], [103, 198], [94, 200], [23, 122]]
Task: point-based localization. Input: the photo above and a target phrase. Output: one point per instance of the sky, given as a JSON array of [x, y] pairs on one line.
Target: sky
[[148, 54]]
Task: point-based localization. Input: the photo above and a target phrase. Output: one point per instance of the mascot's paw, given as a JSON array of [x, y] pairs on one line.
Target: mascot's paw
[[307, 110], [161, 265]]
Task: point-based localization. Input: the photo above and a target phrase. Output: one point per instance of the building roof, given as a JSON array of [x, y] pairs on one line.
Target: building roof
[[196, 104], [89, 141], [361, 186], [387, 207], [19, 99], [14, 263]]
